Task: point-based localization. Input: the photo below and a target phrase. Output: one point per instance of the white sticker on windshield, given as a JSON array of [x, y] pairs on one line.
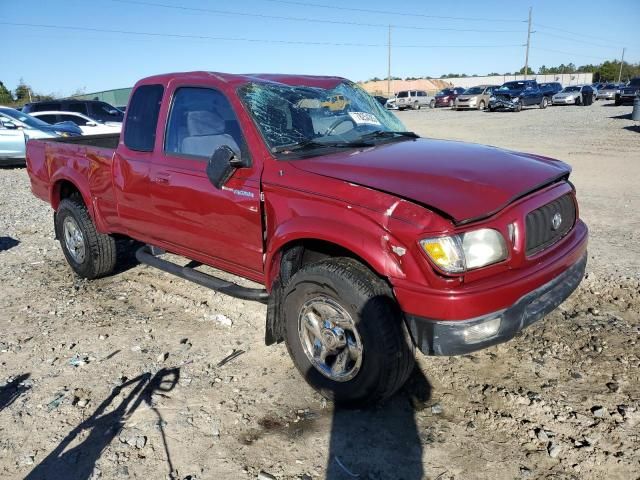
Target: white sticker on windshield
[[364, 118]]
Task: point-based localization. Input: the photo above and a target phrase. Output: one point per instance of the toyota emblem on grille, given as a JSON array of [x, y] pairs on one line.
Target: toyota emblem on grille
[[556, 221]]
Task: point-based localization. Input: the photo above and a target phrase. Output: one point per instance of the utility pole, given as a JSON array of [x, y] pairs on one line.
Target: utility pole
[[621, 62], [389, 64], [526, 56]]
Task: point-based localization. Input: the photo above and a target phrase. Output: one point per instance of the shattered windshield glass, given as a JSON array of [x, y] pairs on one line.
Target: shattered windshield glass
[[295, 118]]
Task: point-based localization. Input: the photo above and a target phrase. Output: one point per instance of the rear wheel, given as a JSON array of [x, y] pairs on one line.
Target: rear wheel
[[89, 253], [481, 105], [544, 102], [432, 104], [450, 103], [416, 106], [578, 100], [345, 333]]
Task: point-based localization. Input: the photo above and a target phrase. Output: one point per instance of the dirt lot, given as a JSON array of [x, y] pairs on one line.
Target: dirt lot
[[120, 377]]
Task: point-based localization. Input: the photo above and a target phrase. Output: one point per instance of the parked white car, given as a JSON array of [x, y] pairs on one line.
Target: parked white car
[[86, 124]]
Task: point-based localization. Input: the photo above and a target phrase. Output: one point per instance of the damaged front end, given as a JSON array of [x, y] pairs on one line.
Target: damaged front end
[[505, 102]]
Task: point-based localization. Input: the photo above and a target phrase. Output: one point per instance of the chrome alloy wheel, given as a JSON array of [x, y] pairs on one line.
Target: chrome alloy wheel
[[73, 239], [330, 339]]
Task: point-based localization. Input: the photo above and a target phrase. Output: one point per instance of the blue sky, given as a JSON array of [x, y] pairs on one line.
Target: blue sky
[[62, 60]]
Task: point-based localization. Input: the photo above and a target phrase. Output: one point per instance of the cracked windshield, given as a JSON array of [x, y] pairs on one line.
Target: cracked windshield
[[301, 118]]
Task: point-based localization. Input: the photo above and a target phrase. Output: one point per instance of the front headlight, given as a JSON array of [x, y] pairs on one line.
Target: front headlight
[[62, 134], [492, 97], [469, 250]]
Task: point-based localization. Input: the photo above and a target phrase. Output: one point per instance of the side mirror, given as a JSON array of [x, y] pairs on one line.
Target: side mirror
[[222, 164], [9, 125]]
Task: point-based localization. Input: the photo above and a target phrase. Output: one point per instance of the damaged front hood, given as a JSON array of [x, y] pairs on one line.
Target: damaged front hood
[[464, 181]]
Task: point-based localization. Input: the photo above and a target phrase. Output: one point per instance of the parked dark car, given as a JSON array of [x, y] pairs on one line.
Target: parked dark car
[[628, 93], [94, 109], [447, 97], [517, 94], [549, 89], [24, 120]]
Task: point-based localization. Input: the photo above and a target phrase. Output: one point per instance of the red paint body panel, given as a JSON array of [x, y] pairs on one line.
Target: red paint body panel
[[374, 202]]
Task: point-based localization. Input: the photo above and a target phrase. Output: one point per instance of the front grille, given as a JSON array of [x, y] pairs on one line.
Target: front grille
[[506, 98], [541, 229]]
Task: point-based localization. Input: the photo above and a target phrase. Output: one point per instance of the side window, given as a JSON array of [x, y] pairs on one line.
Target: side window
[[51, 119], [43, 107], [72, 118], [142, 118], [78, 107], [201, 120]]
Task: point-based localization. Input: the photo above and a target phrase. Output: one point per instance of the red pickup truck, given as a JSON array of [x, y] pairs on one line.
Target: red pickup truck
[[369, 240]]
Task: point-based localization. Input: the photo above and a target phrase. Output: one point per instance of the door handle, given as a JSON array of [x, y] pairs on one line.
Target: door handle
[[161, 178]]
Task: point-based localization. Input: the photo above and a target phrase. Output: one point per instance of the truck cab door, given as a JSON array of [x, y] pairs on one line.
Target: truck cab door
[[132, 161], [218, 226]]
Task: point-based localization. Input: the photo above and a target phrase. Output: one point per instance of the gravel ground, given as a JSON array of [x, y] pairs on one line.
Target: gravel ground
[[122, 377]]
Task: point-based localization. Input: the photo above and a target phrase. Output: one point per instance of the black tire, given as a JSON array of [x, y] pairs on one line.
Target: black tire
[[100, 249], [387, 350], [491, 109], [579, 100], [543, 103], [432, 104], [618, 101], [481, 105], [518, 107], [416, 106]]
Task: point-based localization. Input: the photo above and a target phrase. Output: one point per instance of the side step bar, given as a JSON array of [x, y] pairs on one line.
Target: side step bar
[[147, 255]]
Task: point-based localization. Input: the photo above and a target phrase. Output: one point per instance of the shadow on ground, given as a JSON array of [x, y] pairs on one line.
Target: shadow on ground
[[7, 243], [381, 442], [76, 455], [10, 392], [626, 116]]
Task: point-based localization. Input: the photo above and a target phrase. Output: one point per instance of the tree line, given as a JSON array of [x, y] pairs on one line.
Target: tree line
[[603, 72], [23, 93]]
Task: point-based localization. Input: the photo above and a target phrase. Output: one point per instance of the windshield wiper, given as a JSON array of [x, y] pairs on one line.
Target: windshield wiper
[[310, 144], [387, 134]]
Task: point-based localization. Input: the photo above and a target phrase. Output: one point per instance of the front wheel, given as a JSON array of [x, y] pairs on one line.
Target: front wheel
[[345, 333], [518, 107], [543, 103], [432, 104], [482, 105], [90, 254], [578, 101]]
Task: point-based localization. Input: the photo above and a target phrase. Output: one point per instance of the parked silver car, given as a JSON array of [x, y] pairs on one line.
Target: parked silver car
[[414, 99], [572, 95], [13, 138], [608, 91]]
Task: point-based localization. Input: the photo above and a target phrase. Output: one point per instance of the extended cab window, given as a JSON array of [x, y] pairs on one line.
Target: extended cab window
[[142, 118], [201, 120]]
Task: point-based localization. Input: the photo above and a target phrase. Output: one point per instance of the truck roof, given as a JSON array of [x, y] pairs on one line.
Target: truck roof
[[240, 79]]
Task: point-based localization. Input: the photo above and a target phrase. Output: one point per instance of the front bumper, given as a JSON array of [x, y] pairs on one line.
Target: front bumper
[[564, 101], [627, 98], [436, 337]]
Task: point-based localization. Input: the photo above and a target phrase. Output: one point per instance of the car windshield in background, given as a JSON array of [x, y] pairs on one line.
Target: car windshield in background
[[571, 89], [512, 86], [610, 86], [296, 118], [635, 82], [446, 91], [473, 91], [28, 120]]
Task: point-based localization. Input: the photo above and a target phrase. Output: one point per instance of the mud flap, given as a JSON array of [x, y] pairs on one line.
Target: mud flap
[[274, 331]]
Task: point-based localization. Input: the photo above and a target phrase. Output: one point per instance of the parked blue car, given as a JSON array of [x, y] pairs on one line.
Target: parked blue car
[[13, 118]]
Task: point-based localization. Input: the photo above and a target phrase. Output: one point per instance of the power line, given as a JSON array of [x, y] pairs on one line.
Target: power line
[[305, 19], [575, 40], [241, 39], [573, 33], [568, 53], [391, 12]]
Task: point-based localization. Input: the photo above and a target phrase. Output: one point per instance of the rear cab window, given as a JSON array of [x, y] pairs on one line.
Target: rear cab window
[[142, 118]]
